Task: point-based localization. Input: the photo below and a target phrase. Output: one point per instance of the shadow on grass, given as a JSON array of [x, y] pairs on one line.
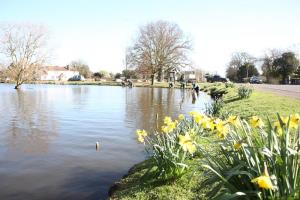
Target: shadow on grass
[[232, 99]]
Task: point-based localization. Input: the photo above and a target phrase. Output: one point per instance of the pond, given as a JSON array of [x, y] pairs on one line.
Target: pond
[[48, 135]]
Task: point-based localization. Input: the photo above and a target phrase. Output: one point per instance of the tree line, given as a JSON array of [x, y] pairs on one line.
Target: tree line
[[159, 48], [276, 65]]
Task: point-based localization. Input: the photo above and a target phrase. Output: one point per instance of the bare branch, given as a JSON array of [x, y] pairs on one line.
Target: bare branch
[[23, 45], [159, 47]]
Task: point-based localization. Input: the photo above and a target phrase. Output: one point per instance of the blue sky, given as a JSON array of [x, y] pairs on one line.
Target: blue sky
[[98, 32]]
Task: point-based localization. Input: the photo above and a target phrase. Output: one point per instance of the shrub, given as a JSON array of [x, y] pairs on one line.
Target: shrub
[[256, 162], [214, 109], [217, 93], [244, 92], [229, 85]]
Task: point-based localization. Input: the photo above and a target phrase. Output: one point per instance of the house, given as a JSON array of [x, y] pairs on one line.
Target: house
[[191, 75], [57, 73]]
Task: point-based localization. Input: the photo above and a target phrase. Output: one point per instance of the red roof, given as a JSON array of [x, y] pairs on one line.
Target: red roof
[[58, 68]]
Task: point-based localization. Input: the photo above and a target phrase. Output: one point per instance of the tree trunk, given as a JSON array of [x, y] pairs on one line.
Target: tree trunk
[[17, 86], [161, 75], [152, 79]]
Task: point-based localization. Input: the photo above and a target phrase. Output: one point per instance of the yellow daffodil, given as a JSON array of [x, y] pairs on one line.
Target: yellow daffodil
[[285, 120], [278, 128], [256, 122], [193, 113], [141, 139], [141, 135], [223, 133], [294, 121], [264, 181], [166, 129], [234, 120], [169, 127], [222, 128], [237, 145], [181, 117], [219, 124], [141, 132], [187, 144], [199, 118], [167, 120], [207, 123]]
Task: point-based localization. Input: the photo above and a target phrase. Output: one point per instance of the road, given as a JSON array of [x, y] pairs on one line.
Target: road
[[285, 90]]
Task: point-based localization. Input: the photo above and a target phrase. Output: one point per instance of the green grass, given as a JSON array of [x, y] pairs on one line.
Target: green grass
[[135, 186], [188, 186], [262, 104]]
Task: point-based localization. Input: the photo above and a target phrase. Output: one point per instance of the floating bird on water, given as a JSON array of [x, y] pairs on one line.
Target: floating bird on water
[[97, 145]]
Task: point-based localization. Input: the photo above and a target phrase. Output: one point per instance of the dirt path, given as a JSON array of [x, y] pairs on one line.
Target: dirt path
[[285, 90]]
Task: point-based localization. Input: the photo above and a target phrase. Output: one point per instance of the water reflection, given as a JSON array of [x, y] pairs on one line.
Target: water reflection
[[148, 106], [31, 126], [48, 135], [80, 94]]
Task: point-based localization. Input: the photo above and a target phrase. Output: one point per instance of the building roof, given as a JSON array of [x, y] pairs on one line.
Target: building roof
[[58, 68]]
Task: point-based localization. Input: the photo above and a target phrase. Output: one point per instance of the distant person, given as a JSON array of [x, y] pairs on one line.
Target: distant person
[[182, 84], [196, 88], [130, 84], [194, 96]]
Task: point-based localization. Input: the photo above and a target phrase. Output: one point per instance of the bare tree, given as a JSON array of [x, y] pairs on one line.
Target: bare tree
[[82, 68], [268, 68], [238, 59], [159, 47], [23, 46]]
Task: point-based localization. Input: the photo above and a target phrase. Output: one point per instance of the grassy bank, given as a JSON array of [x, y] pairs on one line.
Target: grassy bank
[[189, 186], [263, 104]]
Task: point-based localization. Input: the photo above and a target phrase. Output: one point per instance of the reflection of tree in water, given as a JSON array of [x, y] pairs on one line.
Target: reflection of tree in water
[[80, 94], [143, 104], [32, 126]]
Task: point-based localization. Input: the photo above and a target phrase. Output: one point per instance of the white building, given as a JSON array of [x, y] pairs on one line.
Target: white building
[[56, 73]]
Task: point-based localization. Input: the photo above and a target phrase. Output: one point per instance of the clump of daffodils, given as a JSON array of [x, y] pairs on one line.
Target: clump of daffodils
[[141, 134], [244, 146], [291, 122], [169, 125]]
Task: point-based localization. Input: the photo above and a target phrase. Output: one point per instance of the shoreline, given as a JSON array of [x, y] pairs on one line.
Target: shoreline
[[108, 83]]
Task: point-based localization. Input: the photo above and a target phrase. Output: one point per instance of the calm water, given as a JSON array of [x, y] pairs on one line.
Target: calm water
[[48, 135]]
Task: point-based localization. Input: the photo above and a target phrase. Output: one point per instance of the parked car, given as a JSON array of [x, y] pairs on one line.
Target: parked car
[[255, 79], [77, 78]]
